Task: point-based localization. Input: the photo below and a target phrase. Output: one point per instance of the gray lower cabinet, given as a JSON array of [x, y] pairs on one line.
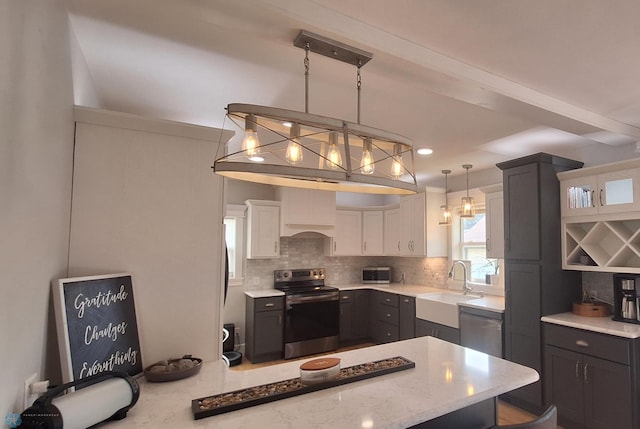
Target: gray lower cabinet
[[355, 317], [385, 317], [592, 378], [425, 328], [407, 306], [264, 334]]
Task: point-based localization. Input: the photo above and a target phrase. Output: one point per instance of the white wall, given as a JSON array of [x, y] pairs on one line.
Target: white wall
[[146, 202], [36, 151]]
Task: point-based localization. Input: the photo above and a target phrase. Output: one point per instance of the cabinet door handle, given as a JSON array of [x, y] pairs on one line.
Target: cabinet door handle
[[593, 200], [388, 315], [406, 300], [398, 246], [582, 343], [279, 319], [586, 373], [334, 246], [275, 247], [600, 197], [578, 370], [365, 246], [487, 245], [269, 304], [345, 297]]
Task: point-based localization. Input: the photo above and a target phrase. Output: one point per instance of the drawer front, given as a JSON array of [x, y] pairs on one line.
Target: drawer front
[[386, 298], [269, 304], [387, 314], [386, 332], [347, 296], [604, 346]]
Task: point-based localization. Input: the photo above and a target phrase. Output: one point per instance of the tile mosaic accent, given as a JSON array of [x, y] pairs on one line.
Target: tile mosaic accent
[[601, 283]]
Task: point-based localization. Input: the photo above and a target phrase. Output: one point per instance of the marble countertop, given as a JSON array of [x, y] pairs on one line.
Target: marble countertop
[[263, 293], [446, 377], [603, 325], [399, 288], [488, 302]]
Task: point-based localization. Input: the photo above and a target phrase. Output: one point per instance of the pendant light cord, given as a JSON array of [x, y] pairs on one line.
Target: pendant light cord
[[359, 86], [467, 167], [306, 78]]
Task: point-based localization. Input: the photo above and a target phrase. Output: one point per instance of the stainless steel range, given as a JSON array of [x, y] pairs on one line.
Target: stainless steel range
[[311, 312]]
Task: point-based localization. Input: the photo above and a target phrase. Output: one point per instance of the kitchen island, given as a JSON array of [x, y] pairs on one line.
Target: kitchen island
[[447, 380]]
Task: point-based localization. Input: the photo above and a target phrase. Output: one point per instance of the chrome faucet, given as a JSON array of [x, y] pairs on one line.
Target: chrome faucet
[[465, 287]]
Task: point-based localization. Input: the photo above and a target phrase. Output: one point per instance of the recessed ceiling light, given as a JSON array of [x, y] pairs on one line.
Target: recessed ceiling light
[[424, 151]]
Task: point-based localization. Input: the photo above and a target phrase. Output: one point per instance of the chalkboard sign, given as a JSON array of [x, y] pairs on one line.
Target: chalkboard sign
[[96, 324]]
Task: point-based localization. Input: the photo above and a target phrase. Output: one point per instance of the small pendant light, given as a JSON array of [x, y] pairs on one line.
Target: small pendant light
[[468, 209], [396, 163], [334, 157], [445, 210], [366, 163], [294, 151], [250, 143]]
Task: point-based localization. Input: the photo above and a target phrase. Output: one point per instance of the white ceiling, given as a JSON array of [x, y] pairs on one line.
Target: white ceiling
[[478, 81]]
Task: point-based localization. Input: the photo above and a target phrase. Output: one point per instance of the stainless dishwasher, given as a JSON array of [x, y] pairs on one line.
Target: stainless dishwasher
[[481, 330]]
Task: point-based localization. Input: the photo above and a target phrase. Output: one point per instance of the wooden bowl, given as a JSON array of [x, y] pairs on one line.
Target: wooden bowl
[[172, 371], [591, 309]]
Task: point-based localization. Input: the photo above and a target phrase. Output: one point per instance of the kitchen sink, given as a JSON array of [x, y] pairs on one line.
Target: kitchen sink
[[441, 307]]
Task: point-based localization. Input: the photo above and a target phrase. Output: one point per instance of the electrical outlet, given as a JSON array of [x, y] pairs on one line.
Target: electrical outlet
[[26, 395]]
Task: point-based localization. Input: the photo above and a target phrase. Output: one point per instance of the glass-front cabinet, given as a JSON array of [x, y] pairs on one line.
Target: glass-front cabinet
[[601, 217], [613, 192]]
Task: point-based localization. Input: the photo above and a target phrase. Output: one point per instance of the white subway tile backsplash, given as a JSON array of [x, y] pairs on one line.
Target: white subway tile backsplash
[[309, 253]]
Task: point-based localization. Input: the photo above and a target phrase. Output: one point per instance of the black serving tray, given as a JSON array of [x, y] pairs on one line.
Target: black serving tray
[[251, 396]]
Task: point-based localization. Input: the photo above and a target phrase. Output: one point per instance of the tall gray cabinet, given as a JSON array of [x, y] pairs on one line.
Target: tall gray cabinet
[[535, 284]]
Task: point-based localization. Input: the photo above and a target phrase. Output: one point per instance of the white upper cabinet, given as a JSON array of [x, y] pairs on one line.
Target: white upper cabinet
[[412, 228], [372, 232], [348, 236], [494, 204], [420, 234], [613, 192], [392, 232], [263, 229]]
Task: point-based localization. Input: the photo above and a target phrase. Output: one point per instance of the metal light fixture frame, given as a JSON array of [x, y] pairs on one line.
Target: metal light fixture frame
[[318, 172]]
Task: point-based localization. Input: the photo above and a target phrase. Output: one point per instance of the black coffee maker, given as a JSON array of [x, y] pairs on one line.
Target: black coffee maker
[[626, 298]]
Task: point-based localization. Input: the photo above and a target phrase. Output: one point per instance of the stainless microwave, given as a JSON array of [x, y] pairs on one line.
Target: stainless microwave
[[377, 275]]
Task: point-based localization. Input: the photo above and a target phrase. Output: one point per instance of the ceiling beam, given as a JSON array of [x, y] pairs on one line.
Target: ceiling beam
[[460, 80]]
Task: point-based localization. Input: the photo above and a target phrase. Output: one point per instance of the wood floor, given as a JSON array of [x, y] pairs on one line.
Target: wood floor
[[507, 413]]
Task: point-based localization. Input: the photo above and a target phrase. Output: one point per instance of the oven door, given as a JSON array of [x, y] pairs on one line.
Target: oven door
[[308, 317]]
